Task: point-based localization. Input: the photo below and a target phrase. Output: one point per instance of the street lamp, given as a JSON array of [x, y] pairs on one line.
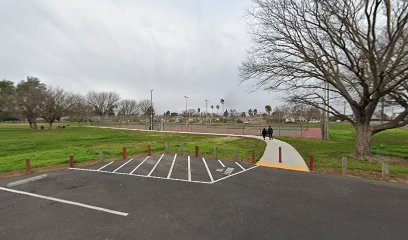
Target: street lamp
[[186, 109], [151, 109]]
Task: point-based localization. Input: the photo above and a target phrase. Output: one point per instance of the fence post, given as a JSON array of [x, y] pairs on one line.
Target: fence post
[[197, 150], [71, 160], [148, 150], [280, 154], [124, 153], [384, 168], [311, 162], [344, 166], [236, 154], [28, 166], [100, 154], [216, 153], [253, 157]]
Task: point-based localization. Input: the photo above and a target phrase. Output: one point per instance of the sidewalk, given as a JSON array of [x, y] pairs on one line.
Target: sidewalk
[[291, 159]]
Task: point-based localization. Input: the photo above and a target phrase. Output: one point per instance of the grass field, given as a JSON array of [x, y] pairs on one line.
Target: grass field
[[328, 154], [52, 147]]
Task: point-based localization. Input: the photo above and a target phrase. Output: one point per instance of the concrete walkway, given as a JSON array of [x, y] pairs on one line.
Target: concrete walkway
[[291, 159]]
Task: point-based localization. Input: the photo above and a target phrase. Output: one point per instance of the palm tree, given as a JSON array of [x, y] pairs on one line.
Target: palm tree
[[218, 107], [212, 108], [250, 112], [268, 109], [222, 103], [255, 112]]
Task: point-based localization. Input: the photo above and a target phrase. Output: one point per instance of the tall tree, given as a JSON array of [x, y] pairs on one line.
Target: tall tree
[[329, 51], [218, 108], [30, 95], [56, 104], [7, 103], [222, 101], [255, 111], [128, 107], [102, 103], [144, 106], [250, 113]]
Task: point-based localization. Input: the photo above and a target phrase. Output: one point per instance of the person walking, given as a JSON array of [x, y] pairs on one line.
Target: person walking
[[270, 132], [264, 132]]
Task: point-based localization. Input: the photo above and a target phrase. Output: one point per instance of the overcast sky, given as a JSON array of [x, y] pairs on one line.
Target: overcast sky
[[176, 47]]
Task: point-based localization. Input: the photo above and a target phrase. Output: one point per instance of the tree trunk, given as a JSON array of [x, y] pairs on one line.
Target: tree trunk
[[50, 125], [363, 140]]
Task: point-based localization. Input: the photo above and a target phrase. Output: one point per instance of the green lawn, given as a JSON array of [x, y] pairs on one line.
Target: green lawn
[[52, 147], [328, 154]]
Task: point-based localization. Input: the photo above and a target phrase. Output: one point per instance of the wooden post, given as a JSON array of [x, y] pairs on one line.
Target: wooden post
[[197, 150], [148, 150], [181, 149], [124, 155], [166, 147], [71, 161], [311, 162], [280, 154], [236, 154], [216, 153], [344, 166], [28, 166], [253, 157]]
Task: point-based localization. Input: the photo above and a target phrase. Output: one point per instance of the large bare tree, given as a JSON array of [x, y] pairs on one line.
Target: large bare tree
[[56, 104], [128, 107], [102, 103], [355, 50]]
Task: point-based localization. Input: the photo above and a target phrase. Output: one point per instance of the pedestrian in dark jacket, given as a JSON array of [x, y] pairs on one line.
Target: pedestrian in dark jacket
[[270, 132], [264, 132]]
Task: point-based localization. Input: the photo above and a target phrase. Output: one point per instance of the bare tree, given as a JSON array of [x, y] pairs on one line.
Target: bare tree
[[80, 110], [128, 107], [144, 106], [56, 104], [30, 95], [352, 50], [102, 103]]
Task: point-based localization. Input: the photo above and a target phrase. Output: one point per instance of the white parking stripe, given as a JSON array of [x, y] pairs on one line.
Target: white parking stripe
[[172, 165], [136, 175], [65, 201], [122, 165], [222, 164], [208, 170], [105, 166], [157, 163], [139, 165], [240, 166], [189, 169]]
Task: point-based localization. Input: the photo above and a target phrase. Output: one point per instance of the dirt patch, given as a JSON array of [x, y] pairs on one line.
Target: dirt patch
[[400, 178]]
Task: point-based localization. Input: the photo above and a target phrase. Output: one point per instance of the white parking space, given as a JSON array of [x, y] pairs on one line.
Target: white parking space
[[172, 167]]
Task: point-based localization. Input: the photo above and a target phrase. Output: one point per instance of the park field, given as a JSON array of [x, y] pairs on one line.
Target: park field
[[390, 145], [52, 147]]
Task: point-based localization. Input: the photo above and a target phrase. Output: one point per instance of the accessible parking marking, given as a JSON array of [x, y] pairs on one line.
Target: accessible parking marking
[[185, 169]]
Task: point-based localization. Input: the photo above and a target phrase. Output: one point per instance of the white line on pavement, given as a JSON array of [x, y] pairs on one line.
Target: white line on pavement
[[135, 175], [65, 201], [139, 165], [172, 165], [222, 164], [234, 174], [157, 163], [122, 165], [208, 170], [105, 166], [240, 166], [27, 180], [189, 169]]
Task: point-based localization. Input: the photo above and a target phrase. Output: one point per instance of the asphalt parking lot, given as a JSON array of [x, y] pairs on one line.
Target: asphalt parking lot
[[200, 199]]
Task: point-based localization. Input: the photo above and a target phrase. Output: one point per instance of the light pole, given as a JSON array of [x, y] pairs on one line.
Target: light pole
[[151, 109], [186, 109], [206, 108]]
